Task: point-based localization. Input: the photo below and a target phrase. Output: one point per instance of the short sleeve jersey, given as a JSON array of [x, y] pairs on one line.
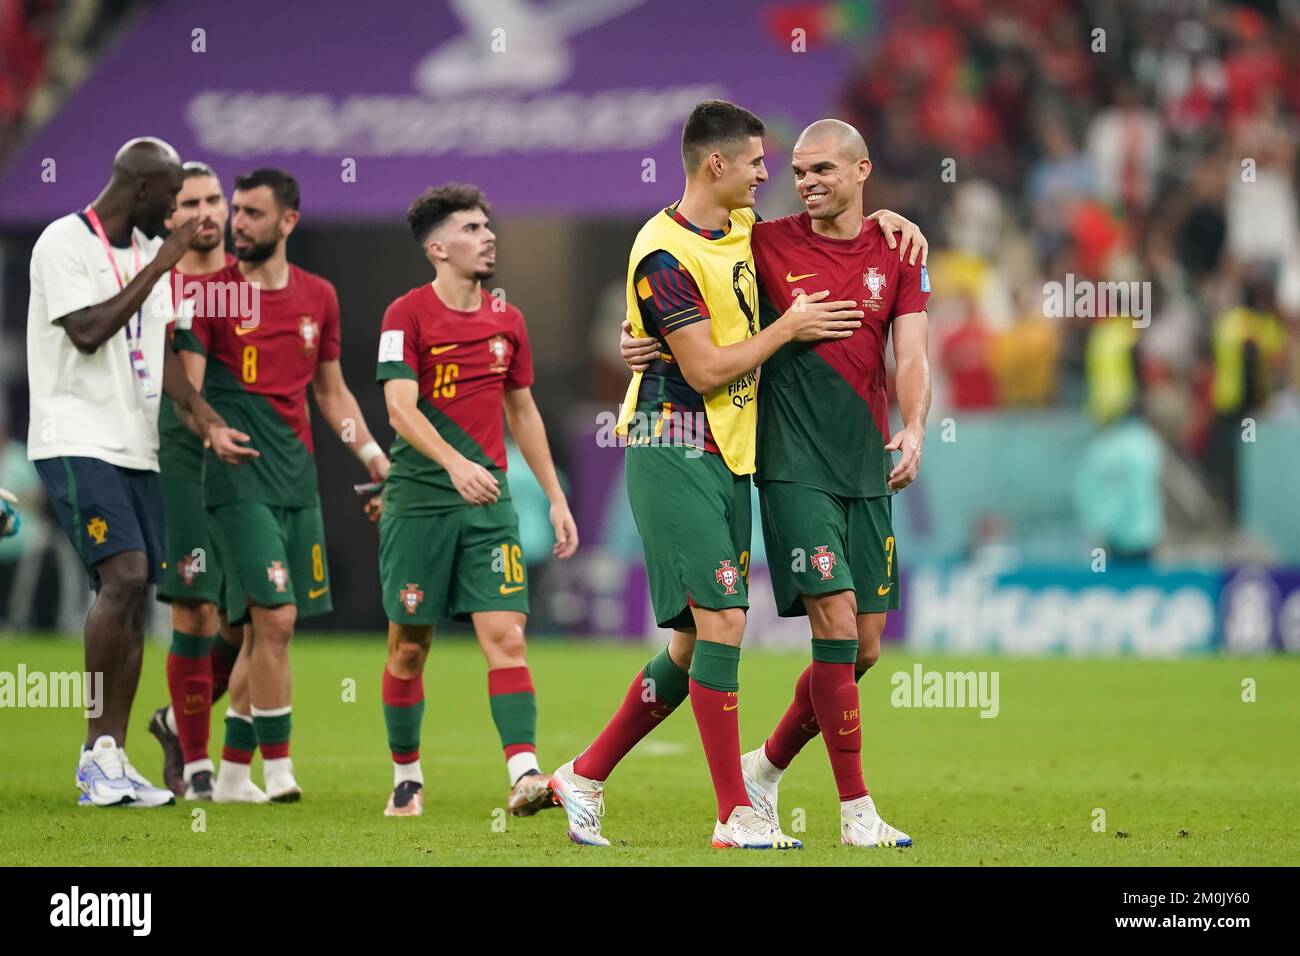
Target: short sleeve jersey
[[260, 362], [823, 416], [462, 363]]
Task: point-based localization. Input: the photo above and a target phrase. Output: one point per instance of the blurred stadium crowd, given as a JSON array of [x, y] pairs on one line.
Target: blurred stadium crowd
[[1152, 141]]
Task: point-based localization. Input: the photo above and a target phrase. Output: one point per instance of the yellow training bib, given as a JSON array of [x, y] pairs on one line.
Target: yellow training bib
[[724, 271]]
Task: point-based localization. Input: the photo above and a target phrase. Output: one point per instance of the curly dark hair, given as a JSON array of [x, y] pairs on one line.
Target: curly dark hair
[[433, 206]]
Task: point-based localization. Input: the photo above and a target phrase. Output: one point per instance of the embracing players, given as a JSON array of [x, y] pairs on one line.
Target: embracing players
[[691, 284], [451, 356], [824, 469], [265, 516]]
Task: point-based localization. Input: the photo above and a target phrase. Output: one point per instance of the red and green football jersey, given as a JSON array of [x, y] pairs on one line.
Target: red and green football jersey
[[823, 415], [463, 362], [180, 451], [257, 378]]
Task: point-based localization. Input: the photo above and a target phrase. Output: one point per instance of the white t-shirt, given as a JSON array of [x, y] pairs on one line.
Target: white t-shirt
[[93, 406]]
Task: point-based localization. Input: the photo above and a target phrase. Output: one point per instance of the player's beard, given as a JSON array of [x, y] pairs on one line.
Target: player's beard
[[257, 252], [206, 245], [482, 275]]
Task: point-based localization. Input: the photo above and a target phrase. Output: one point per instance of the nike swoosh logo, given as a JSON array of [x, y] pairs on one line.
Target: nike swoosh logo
[[314, 593], [884, 589], [730, 706], [439, 349], [845, 733], [658, 716], [241, 330], [814, 729], [806, 275], [506, 590]]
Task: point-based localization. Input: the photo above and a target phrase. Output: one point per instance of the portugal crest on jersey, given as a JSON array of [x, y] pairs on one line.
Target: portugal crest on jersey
[[310, 332], [824, 561], [187, 569], [412, 597], [727, 576], [499, 346], [278, 575], [874, 282]]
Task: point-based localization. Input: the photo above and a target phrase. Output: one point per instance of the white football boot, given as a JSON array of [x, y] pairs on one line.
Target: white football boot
[[280, 785], [234, 784], [761, 780], [860, 825], [583, 801], [747, 829], [146, 794], [101, 775]]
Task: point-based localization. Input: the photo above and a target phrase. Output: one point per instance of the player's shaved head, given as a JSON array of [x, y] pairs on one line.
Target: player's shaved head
[[146, 177], [839, 135], [145, 156]]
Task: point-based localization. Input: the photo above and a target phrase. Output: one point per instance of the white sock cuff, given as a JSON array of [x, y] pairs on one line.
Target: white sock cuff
[[196, 766], [520, 764], [247, 718], [271, 712], [276, 765], [408, 771]]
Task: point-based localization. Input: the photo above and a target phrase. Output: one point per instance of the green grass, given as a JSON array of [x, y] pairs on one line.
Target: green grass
[[1179, 763]]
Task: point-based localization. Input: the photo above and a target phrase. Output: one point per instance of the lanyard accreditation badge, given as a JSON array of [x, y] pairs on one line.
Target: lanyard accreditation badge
[[134, 336]]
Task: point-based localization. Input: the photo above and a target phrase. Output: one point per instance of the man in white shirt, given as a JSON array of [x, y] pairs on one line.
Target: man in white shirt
[[98, 367]]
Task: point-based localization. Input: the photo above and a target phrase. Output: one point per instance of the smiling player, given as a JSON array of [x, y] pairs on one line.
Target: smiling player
[[691, 285], [824, 472]]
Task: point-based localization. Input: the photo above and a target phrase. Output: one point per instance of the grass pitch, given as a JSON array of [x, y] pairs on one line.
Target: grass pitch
[[1185, 771]]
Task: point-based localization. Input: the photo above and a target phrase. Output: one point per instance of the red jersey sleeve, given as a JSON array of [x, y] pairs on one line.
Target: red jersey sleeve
[[398, 344], [913, 289], [520, 374], [329, 333]]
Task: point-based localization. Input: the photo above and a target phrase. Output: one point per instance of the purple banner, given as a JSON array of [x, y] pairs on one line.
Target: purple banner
[[549, 105]]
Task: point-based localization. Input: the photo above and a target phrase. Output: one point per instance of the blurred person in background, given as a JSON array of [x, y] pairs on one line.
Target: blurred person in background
[[1111, 367], [21, 495], [1117, 494], [1249, 343]]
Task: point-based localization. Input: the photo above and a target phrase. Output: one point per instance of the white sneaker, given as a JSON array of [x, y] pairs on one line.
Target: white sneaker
[[234, 785], [860, 825], [280, 785], [101, 775], [584, 802], [761, 780], [746, 829], [146, 794]]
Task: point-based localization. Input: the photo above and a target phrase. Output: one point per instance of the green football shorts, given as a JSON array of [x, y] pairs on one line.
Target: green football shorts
[[271, 556], [191, 571], [819, 543], [451, 565], [694, 517]]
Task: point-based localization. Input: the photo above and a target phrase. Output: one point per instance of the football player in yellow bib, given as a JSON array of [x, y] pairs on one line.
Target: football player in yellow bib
[[690, 427]]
